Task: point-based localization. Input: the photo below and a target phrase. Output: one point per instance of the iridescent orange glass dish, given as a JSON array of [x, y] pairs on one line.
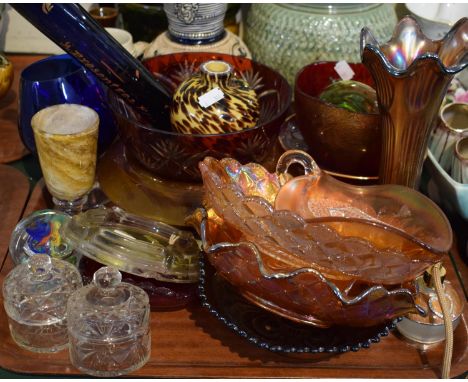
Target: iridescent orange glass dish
[[314, 249]]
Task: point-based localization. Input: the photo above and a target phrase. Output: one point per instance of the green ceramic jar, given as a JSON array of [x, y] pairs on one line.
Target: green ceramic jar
[[287, 37]]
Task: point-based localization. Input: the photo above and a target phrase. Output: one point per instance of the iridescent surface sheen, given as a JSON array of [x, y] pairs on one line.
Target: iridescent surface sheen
[[342, 265], [411, 74]]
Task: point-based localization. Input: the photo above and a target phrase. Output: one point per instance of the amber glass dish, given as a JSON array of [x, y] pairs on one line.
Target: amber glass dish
[[342, 142], [175, 156], [316, 250]]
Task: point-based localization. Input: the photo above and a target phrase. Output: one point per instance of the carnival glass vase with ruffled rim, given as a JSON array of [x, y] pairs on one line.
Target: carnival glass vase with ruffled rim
[[411, 74]]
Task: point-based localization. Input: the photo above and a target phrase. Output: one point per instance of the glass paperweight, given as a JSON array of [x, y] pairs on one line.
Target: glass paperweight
[[354, 96], [136, 245], [39, 233], [35, 296], [108, 326]]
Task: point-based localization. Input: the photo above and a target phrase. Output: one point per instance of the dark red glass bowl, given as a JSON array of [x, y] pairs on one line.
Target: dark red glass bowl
[[343, 143], [175, 156]]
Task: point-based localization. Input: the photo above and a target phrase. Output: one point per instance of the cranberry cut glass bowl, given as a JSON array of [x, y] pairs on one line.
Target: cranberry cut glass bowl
[[170, 155], [316, 250]]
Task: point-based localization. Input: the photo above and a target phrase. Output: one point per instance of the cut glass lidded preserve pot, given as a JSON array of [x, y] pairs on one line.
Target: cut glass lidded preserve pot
[[35, 297], [108, 326], [316, 250]]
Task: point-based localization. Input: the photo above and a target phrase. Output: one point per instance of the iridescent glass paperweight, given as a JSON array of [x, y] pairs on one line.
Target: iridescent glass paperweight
[[109, 326], [35, 296]]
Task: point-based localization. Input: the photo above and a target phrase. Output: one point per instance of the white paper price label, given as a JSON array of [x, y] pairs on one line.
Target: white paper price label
[[344, 70], [211, 97]]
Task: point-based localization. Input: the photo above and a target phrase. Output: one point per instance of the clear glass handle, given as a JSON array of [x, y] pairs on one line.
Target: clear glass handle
[[107, 277], [300, 157], [40, 266], [107, 290]]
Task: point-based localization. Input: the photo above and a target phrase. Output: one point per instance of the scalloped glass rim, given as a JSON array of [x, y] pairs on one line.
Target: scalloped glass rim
[[369, 42], [279, 113], [266, 241], [202, 286], [377, 290], [224, 162]]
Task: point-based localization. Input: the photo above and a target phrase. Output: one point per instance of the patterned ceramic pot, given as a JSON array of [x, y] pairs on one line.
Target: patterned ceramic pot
[[196, 27], [229, 44], [287, 37], [214, 101]]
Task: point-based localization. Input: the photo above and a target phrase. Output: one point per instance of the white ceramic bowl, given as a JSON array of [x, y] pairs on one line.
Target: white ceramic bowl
[[436, 19], [442, 189], [126, 40]]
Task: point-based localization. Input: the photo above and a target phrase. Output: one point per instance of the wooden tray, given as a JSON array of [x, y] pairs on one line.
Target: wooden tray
[[11, 147], [192, 343], [14, 190]]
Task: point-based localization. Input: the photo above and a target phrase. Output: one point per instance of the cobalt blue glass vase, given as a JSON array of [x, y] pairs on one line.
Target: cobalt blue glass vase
[[76, 32], [57, 80]]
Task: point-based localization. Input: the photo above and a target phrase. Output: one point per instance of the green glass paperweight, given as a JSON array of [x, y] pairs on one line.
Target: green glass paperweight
[[351, 95]]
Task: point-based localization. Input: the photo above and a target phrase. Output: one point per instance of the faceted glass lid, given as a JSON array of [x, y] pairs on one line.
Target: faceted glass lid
[[41, 275], [107, 301], [107, 289]]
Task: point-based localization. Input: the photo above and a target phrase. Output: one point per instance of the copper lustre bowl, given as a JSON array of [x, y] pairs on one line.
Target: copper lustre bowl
[[314, 249]]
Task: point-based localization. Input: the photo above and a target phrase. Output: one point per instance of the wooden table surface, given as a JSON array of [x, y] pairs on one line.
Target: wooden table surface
[[14, 192], [192, 343], [11, 147]]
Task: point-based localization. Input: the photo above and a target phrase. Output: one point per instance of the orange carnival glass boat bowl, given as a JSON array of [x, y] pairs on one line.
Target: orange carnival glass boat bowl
[[314, 249]]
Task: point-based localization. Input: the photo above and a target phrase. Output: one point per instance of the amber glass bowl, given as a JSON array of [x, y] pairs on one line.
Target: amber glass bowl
[[175, 156], [314, 249], [343, 143]]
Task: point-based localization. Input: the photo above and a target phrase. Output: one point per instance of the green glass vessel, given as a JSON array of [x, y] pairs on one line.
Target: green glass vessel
[[351, 95]]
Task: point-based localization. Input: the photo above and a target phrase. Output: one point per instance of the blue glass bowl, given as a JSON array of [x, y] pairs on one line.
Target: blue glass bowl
[[57, 80]]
